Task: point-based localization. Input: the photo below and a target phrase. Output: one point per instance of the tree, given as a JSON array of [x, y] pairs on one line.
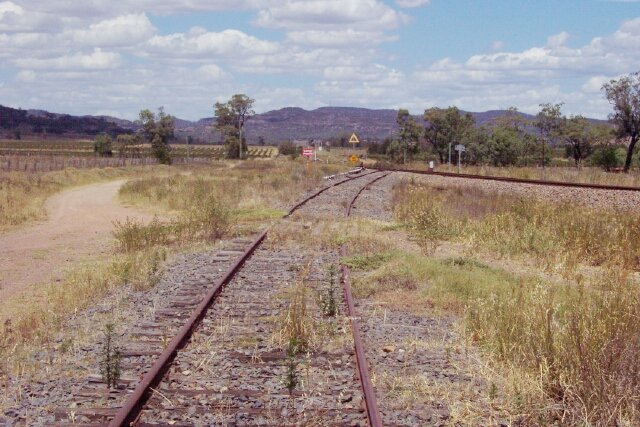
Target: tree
[[504, 147], [548, 122], [128, 145], [409, 133], [580, 137], [624, 95], [230, 119], [158, 130], [102, 145], [446, 126]]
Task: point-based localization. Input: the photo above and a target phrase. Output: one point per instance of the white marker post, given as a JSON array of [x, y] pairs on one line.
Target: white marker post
[[459, 148]]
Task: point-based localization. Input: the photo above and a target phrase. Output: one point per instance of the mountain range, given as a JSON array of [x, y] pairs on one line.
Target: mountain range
[[290, 123]]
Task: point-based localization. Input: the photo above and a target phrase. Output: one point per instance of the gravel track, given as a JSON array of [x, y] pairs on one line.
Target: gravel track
[[233, 371], [59, 390], [612, 199], [72, 391]]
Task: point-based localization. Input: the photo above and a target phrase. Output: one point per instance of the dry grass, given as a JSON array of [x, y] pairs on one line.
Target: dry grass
[[556, 236], [569, 348]]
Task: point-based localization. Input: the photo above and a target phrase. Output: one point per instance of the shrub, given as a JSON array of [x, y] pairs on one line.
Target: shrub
[[607, 157], [288, 148]]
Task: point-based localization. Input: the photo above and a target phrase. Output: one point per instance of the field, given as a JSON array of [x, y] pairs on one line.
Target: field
[[50, 155]]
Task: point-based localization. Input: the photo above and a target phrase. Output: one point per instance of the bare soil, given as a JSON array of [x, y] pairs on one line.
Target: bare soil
[[78, 228]]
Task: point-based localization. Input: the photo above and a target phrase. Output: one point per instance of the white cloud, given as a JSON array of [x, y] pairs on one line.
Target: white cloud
[[334, 14], [126, 30], [97, 60], [15, 18], [338, 38], [412, 3], [27, 76], [211, 72], [194, 45], [557, 40]]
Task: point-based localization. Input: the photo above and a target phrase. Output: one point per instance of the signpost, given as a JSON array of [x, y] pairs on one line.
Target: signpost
[[307, 152], [354, 139], [459, 148]]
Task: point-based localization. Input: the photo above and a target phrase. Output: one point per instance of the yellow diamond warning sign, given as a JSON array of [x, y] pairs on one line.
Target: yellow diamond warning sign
[[353, 158], [354, 139]]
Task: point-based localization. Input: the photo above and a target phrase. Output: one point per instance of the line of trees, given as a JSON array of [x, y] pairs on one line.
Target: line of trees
[[157, 129], [510, 139]]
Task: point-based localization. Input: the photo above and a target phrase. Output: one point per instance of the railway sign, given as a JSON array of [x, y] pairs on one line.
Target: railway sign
[[353, 158], [460, 147], [307, 152], [354, 139]]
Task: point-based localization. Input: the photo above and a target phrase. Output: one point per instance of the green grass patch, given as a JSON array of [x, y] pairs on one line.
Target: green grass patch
[[366, 262]]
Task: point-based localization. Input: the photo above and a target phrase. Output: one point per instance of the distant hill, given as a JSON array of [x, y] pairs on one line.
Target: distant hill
[[290, 123], [42, 123]]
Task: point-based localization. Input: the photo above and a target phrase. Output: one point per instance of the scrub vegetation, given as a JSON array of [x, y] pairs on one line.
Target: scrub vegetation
[[564, 329]]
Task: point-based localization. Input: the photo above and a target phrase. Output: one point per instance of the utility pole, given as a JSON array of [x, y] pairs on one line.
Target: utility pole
[[240, 142], [459, 154]]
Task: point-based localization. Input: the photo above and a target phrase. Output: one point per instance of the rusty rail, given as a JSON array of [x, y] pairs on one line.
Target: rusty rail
[[317, 193], [371, 403], [518, 180], [129, 412]]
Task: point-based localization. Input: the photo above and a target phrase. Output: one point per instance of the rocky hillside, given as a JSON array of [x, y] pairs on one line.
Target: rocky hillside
[[290, 123]]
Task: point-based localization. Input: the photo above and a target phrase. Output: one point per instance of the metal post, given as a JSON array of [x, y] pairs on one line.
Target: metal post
[[449, 156], [459, 153]]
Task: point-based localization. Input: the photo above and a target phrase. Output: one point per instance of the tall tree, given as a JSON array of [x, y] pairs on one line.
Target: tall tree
[[624, 95], [409, 133], [580, 137], [230, 120], [158, 130], [548, 122], [446, 126]]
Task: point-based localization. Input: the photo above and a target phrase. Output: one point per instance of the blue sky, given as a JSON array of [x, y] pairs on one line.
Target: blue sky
[[117, 57]]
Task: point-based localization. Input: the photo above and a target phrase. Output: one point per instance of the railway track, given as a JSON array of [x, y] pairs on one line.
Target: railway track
[[518, 180], [194, 365]]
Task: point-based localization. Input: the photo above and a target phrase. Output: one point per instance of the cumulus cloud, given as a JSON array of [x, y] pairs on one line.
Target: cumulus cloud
[[15, 18], [412, 3], [123, 30], [97, 60], [335, 14], [214, 44], [338, 38]]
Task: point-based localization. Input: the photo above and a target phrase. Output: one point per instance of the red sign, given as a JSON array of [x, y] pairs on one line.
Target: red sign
[[307, 151]]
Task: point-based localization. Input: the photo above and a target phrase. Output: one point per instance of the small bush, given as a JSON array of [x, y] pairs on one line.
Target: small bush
[[288, 148], [133, 235], [110, 358], [608, 158]]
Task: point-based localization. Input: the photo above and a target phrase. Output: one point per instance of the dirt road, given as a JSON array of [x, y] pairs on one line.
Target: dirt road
[[78, 228]]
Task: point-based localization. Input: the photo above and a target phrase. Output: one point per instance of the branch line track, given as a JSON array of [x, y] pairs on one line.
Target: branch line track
[[517, 180], [146, 387]]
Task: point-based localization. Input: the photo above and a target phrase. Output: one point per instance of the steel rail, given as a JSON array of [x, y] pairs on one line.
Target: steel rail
[[369, 394], [518, 180], [130, 411], [316, 194]]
